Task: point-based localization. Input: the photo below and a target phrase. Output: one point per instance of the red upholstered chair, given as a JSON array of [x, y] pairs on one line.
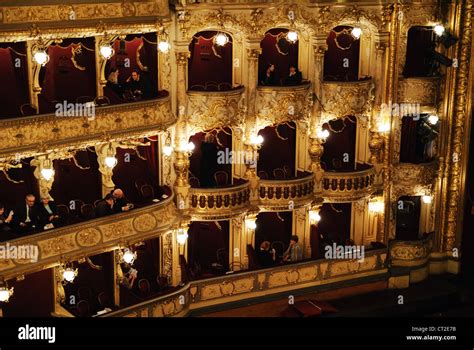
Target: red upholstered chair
[[212, 86], [144, 287], [104, 300], [279, 174], [263, 174], [288, 173], [235, 266], [222, 178], [84, 293], [63, 211], [337, 163], [147, 192], [225, 87], [83, 308], [97, 202], [27, 109], [75, 207], [87, 211], [102, 101], [194, 182], [162, 282], [139, 183]]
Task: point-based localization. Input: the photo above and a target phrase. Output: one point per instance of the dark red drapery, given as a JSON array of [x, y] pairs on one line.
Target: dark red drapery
[[204, 66], [276, 152], [12, 194], [341, 141], [335, 57], [272, 227], [420, 39], [335, 223], [283, 56], [14, 73]]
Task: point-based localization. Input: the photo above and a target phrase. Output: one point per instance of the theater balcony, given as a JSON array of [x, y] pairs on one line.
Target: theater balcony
[[415, 176], [48, 131], [410, 259], [279, 103], [348, 186], [77, 241], [341, 99], [219, 203], [281, 194], [208, 108], [419, 90]]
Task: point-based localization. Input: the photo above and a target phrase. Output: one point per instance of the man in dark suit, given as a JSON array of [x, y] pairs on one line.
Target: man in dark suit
[[48, 213], [25, 216], [121, 202], [294, 77], [105, 206]]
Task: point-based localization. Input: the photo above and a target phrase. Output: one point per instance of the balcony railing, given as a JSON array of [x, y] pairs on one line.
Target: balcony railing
[[280, 194], [28, 134], [341, 99], [423, 90], [91, 237], [251, 284], [410, 253], [348, 186], [222, 203], [277, 104], [210, 109]]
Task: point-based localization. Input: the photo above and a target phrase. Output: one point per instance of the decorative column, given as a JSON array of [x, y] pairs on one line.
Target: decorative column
[[237, 243], [42, 163], [118, 276], [248, 235], [34, 68], [100, 63], [106, 152], [60, 295], [302, 228]]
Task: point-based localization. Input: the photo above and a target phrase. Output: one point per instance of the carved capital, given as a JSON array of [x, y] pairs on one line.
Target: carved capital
[[182, 58]]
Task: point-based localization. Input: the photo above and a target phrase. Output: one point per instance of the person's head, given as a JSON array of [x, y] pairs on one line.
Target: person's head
[[270, 68], [293, 239], [109, 199], [30, 200], [265, 245], [135, 75], [117, 193], [293, 70], [2, 208], [44, 200]]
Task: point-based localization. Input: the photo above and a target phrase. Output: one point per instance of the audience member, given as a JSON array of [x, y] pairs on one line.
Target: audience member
[[266, 256], [294, 77], [113, 81], [138, 86], [48, 213], [25, 216], [268, 77], [105, 206], [5, 219], [294, 251], [121, 203]]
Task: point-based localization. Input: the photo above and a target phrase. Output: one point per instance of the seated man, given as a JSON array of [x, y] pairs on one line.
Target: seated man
[[121, 203], [48, 213], [105, 206], [113, 81], [5, 219], [25, 216], [294, 77], [138, 86], [294, 251]]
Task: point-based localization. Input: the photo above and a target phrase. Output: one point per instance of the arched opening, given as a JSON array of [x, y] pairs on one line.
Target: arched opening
[[210, 64], [340, 147], [211, 161], [69, 76], [418, 139], [14, 96], [341, 59], [132, 72], [418, 63], [334, 227], [278, 140], [281, 53]]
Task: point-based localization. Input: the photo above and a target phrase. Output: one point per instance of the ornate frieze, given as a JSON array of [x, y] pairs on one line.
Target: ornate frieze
[[92, 237], [29, 135], [423, 91], [410, 253]]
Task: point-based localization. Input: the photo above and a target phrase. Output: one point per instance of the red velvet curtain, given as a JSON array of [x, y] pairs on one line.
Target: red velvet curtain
[[69, 74], [335, 223], [420, 39], [408, 152], [14, 73], [284, 148], [278, 51], [72, 182], [341, 63], [148, 260], [205, 65], [13, 194], [340, 145], [131, 167], [196, 159], [205, 238], [274, 226], [408, 218], [33, 296]]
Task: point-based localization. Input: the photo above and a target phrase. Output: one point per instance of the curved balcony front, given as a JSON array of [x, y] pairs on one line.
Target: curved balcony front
[[219, 203], [209, 109], [278, 195], [29, 134], [91, 237], [348, 186], [276, 104]]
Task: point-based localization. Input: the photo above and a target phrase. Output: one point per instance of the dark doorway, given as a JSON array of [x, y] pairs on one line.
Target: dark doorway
[[408, 218]]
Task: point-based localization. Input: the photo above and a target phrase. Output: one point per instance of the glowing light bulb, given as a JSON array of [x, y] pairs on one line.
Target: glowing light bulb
[[69, 274], [427, 199], [129, 256], [167, 150], [182, 236], [356, 32], [292, 36], [5, 294], [110, 161], [164, 46], [41, 57], [251, 224], [221, 39], [106, 51], [433, 119], [47, 173], [439, 29]]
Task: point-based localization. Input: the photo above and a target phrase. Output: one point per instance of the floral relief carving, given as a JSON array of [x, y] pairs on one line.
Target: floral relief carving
[[88, 237]]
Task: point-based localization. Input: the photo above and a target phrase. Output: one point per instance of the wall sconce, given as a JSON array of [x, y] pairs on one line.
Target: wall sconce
[[5, 293], [128, 256], [221, 39], [384, 127], [40, 55], [182, 236], [292, 36], [356, 32], [314, 216], [433, 119], [376, 206], [47, 170], [439, 29], [68, 273], [110, 160], [427, 199], [251, 223], [106, 50], [164, 46], [167, 150], [322, 134], [186, 147], [256, 140]]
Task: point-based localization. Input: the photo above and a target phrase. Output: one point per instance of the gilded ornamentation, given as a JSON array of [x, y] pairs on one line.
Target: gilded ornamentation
[[88, 237], [418, 90], [144, 223], [406, 251], [353, 186], [57, 246]]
